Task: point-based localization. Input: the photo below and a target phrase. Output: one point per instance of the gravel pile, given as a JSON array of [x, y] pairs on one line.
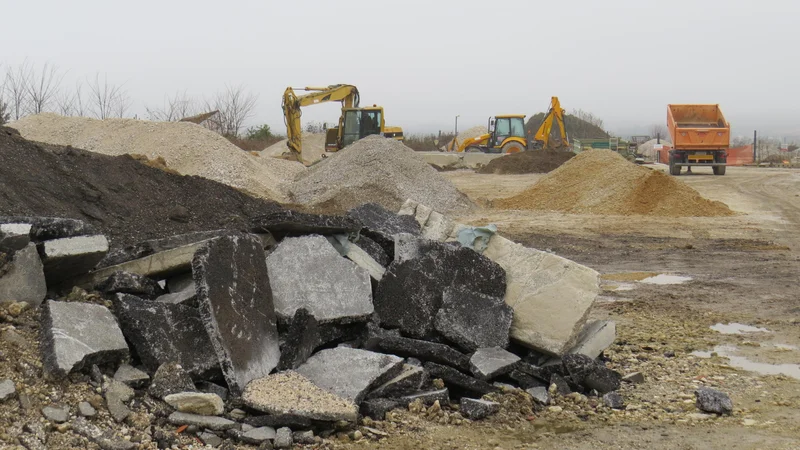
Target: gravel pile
[[313, 147], [535, 161], [603, 182], [647, 149], [469, 133], [375, 170], [185, 147]]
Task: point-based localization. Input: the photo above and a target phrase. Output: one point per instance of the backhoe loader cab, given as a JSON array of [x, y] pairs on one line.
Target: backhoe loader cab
[[504, 127], [356, 123]]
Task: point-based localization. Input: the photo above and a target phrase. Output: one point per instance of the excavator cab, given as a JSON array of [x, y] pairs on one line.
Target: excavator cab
[[357, 123]]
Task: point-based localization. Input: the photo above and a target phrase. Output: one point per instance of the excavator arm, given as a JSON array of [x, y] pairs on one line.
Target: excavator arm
[[554, 113], [292, 104]]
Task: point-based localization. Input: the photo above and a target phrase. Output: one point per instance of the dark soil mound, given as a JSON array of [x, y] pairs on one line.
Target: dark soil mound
[[534, 161], [577, 128], [127, 200]]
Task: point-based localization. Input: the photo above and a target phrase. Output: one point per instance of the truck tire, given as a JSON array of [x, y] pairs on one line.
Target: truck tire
[[513, 147], [719, 170], [673, 169]]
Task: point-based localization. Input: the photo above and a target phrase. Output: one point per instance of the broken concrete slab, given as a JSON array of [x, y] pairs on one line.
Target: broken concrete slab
[[381, 225], [47, 228], [14, 236], [350, 373], [299, 340], [307, 272], [291, 394], [409, 381], [170, 378], [595, 337], [410, 293], [24, 279], [424, 350], [473, 320], [285, 222], [438, 227], [68, 257], [590, 374], [157, 266], [233, 291], [551, 296], [356, 254], [476, 409], [76, 335], [455, 378], [131, 376], [130, 283], [526, 381], [491, 362], [207, 422], [162, 333], [153, 246], [199, 403]]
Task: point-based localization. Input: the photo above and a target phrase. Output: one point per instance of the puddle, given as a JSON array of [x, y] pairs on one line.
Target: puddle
[[628, 276], [618, 287], [740, 362], [737, 328], [666, 279]]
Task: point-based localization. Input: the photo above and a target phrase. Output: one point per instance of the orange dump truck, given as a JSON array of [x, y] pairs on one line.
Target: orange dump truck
[[700, 137]]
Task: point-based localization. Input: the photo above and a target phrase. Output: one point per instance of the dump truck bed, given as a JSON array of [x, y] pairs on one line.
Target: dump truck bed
[[698, 127]]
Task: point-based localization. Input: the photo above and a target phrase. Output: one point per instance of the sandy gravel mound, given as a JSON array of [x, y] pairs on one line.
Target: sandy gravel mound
[[313, 147], [185, 147], [379, 170], [534, 161], [469, 133], [603, 182]]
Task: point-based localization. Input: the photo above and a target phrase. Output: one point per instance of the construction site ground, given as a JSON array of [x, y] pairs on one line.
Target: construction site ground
[[744, 269]]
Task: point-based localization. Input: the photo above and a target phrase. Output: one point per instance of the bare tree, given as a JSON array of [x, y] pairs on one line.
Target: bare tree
[[16, 82], [658, 130], [235, 106], [5, 114], [107, 100], [42, 87], [175, 108]]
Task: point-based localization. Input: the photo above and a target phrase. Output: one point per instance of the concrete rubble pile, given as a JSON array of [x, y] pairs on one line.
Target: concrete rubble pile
[[305, 323]]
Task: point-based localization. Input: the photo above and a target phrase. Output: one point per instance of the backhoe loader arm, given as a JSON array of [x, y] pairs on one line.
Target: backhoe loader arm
[[344, 93], [554, 113]]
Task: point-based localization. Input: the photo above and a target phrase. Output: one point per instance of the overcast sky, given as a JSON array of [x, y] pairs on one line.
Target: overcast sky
[[428, 61]]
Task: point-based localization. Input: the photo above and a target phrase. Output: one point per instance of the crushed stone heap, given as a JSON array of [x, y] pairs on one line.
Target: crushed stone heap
[[378, 170], [603, 182], [187, 148]]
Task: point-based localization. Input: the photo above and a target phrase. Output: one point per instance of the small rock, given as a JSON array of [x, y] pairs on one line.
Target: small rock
[[357, 435], [303, 437], [539, 394], [283, 438], [478, 409], [131, 376], [55, 414], [7, 390], [614, 400], [116, 395], [555, 409], [634, 378], [212, 388], [256, 436], [713, 401], [209, 422], [86, 410], [491, 362], [16, 308], [237, 414], [210, 439], [170, 378], [196, 403], [562, 387]]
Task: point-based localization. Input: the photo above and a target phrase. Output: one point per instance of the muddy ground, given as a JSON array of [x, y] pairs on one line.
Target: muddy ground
[[744, 269]]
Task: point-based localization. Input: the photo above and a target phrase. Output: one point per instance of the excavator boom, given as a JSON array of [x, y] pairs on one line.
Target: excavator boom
[[554, 114]]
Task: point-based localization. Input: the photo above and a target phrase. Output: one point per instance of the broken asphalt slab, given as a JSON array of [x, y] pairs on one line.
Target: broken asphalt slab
[[424, 350], [14, 236], [299, 340], [153, 246], [591, 374], [409, 381], [473, 320], [69, 257], [381, 225], [453, 377], [47, 228], [236, 307], [488, 363], [285, 222], [130, 283]]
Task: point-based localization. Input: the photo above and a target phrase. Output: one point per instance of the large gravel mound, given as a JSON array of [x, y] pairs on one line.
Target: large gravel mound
[[187, 148], [127, 200], [533, 161], [603, 182], [379, 170], [313, 147]]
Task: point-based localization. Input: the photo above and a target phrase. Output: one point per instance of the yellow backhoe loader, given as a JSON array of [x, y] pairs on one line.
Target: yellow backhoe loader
[[506, 135], [354, 123], [542, 137]]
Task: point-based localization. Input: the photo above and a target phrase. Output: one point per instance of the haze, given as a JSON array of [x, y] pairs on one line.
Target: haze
[[427, 61]]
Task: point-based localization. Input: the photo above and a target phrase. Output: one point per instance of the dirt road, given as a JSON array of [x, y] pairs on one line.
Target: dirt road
[[743, 269]]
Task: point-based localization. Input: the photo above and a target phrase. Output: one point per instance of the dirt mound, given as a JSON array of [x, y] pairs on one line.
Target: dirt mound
[[603, 182], [535, 161], [126, 199], [313, 147], [185, 147], [577, 128], [379, 170]]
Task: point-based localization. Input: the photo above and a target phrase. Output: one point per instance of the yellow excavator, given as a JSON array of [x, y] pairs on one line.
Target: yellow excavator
[[506, 135], [354, 123], [554, 114]]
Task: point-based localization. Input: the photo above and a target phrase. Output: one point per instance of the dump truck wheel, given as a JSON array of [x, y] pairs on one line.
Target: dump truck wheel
[[473, 149], [673, 169], [513, 147], [719, 170]]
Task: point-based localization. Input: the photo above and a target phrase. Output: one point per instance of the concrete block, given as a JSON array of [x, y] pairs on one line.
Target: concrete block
[[473, 320], [291, 394], [438, 227], [24, 280], [285, 222], [66, 258], [454, 378], [595, 337], [130, 283], [424, 350], [410, 293], [230, 274], [350, 373], [74, 336], [551, 296], [488, 363], [409, 381], [47, 228], [307, 272], [162, 333], [14, 236]]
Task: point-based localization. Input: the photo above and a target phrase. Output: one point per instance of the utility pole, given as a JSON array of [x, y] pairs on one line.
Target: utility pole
[[755, 144], [457, 124]]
